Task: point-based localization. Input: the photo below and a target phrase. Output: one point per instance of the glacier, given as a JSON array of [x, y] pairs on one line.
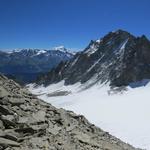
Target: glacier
[[124, 114]]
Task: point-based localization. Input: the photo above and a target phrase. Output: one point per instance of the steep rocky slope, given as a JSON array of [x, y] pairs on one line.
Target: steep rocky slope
[[118, 58], [28, 123]]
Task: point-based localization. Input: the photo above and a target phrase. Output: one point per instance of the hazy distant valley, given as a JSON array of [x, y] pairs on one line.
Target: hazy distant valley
[[25, 65]]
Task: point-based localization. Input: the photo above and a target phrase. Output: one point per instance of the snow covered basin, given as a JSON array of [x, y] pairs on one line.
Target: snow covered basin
[[126, 116]]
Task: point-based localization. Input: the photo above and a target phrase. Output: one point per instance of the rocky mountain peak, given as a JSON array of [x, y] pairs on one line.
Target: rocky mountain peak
[[64, 50], [112, 38], [117, 58], [61, 48]]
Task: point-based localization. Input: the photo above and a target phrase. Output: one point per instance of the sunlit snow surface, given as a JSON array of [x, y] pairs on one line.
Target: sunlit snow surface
[[126, 116]]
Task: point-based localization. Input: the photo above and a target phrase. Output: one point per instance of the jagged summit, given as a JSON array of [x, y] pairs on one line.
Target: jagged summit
[[118, 58], [120, 31], [109, 39], [61, 48]]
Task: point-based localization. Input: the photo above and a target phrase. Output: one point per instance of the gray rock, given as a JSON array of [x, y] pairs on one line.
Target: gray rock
[[8, 135], [1, 125], [54, 130], [25, 120], [8, 117], [39, 116], [5, 111], [6, 142], [39, 127], [3, 92], [8, 120], [33, 118], [16, 101], [2, 133], [39, 143]]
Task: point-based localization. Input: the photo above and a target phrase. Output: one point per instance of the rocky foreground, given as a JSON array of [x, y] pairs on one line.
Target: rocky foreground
[[29, 123]]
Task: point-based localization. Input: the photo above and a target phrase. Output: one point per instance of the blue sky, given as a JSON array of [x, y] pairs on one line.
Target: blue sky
[[72, 23]]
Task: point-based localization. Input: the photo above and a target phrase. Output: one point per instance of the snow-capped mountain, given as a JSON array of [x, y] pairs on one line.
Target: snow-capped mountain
[[60, 48], [119, 58], [26, 64]]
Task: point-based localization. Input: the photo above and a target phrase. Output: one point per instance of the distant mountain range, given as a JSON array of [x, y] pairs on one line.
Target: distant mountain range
[[24, 65], [119, 58]]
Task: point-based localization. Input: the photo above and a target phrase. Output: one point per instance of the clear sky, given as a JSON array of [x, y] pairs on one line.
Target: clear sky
[[72, 23]]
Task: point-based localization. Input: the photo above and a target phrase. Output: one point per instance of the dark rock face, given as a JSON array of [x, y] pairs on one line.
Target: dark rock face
[[28, 123], [26, 64], [119, 58]]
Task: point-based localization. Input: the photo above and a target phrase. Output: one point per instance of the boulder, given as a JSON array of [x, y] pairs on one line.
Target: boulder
[[16, 101], [39, 116], [3, 92], [5, 110], [1, 125], [6, 143], [8, 135]]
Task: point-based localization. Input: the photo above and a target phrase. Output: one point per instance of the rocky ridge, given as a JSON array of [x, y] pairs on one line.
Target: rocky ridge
[[119, 58], [29, 123]]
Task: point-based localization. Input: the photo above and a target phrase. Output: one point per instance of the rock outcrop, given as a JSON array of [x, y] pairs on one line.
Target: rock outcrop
[[29, 123]]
